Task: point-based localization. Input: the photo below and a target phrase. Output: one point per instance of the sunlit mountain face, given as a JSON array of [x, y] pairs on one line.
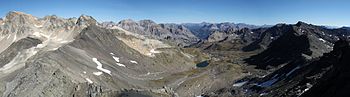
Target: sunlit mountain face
[[183, 48]]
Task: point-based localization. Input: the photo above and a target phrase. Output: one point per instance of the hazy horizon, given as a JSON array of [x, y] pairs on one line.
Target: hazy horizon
[[255, 12]]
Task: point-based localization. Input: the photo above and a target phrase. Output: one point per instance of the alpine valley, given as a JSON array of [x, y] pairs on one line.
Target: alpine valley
[[53, 56]]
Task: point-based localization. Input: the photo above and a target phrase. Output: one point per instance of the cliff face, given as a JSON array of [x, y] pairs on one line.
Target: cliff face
[[334, 81], [292, 42]]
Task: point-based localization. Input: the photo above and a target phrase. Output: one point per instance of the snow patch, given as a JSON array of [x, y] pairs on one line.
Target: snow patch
[[268, 83], [132, 61], [116, 59], [99, 66], [263, 94], [64, 41], [38, 26], [14, 39], [88, 80], [84, 72], [119, 64], [290, 72], [40, 46], [308, 86], [321, 39], [97, 73], [152, 52], [239, 84]]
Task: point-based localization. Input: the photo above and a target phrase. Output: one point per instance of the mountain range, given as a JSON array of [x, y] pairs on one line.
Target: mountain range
[[81, 57]]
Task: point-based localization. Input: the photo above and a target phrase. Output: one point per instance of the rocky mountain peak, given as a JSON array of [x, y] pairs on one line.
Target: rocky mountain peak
[[51, 17], [147, 23], [127, 22], [109, 24], [347, 28], [300, 23], [86, 20], [19, 18], [12, 14], [212, 26], [300, 41]]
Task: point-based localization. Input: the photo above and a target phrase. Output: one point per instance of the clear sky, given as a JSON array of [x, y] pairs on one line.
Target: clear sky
[[321, 12]]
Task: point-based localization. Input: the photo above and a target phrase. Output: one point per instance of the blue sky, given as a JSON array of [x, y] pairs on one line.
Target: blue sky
[[321, 12]]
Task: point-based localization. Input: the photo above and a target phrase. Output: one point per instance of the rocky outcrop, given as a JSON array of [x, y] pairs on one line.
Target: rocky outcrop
[[171, 33], [86, 20], [204, 30], [16, 48], [334, 81], [292, 42], [230, 40]]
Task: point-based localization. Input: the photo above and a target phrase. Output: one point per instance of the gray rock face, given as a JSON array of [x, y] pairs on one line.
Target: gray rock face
[[131, 25], [230, 40], [300, 42], [218, 36], [204, 30], [86, 20], [173, 33], [15, 48], [318, 35], [182, 34]]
